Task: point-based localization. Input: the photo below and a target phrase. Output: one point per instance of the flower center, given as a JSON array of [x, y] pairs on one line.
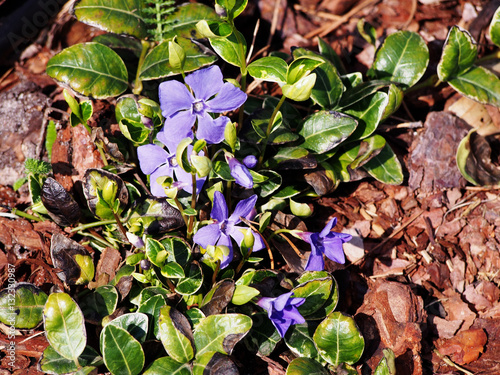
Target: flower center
[[198, 106], [224, 227], [172, 161]]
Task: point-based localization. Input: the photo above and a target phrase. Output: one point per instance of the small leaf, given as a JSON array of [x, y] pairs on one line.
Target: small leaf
[[220, 333], [385, 167], [233, 8], [64, 326], [368, 112], [61, 206], [22, 305], [263, 337], [218, 297], [300, 209], [316, 293], [91, 69], [325, 130], [121, 352], [243, 294], [192, 282], [306, 366], [52, 362], [402, 58], [479, 84], [114, 16], [327, 51], [100, 303], [173, 270], [367, 31], [134, 323], [495, 28], [299, 339], [328, 88], [339, 340], [214, 363], [459, 54], [151, 308], [50, 137], [269, 68], [387, 365], [232, 49], [185, 19], [167, 365], [157, 216], [176, 335], [300, 90], [63, 252]]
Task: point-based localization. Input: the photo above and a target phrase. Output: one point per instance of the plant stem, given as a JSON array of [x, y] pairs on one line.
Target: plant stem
[[268, 131], [120, 225], [138, 82], [19, 213], [432, 81], [193, 206], [181, 210], [92, 225]]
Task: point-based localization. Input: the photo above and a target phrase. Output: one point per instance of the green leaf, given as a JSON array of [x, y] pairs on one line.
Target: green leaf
[[156, 64], [232, 49], [151, 308], [220, 333], [366, 150], [339, 340], [316, 293], [176, 335], [395, 96], [173, 270], [367, 31], [178, 250], [167, 365], [114, 16], [102, 301], [263, 337], [243, 294], [495, 28], [299, 339], [134, 323], [185, 18], [50, 138], [64, 326], [53, 363], [463, 153], [402, 58], [306, 366], [360, 91], [479, 84], [252, 276], [233, 8], [387, 365], [300, 90], [325, 130], [122, 353], [156, 252], [328, 87], [192, 282], [327, 51], [90, 69], [300, 209], [269, 68], [385, 167], [368, 112], [459, 54], [22, 305]]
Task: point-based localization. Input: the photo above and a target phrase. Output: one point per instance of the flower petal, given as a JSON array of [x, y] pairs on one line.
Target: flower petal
[[280, 324], [176, 128], [229, 98], [250, 161], [206, 82], [151, 157], [240, 173], [226, 241], [333, 249], [219, 207], [328, 227], [187, 179], [156, 189], [281, 301], [174, 96], [211, 130], [243, 208], [315, 261], [208, 235]]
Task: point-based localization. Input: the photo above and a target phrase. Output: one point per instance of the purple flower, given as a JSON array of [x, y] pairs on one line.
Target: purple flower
[[211, 95], [240, 172], [250, 161], [158, 162], [283, 311], [325, 242], [220, 232]]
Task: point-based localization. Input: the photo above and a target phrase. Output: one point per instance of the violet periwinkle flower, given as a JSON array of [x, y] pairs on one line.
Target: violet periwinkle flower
[[282, 311], [325, 242], [158, 162], [250, 161], [211, 95], [240, 172], [224, 228]]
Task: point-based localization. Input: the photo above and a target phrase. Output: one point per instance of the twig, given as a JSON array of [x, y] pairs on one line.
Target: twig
[[274, 22], [412, 14], [449, 362]]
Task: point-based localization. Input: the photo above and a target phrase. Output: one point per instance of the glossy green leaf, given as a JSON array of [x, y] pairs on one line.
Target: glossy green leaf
[[328, 306], [214, 29], [402, 58], [173, 270], [167, 365], [367, 31], [147, 293], [134, 323], [52, 362], [479, 84], [368, 112], [64, 326], [361, 91], [220, 333], [114, 16], [185, 19], [128, 48], [232, 8], [156, 64], [299, 340], [291, 158], [300, 90], [243, 294], [306, 366], [90, 69], [395, 98], [100, 303], [252, 276], [328, 88], [156, 252], [151, 307], [366, 150], [176, 335], [269, 68], [459, 54], [495, 28], [122, 353], [21, 305], [328, 52], [263, 337], [272, 183], [385, 167], [338, 339], [316, 293], [192, 282], [463, 153], [288, 192], [301, 210], [325, 130], [302, 66], [232, 49], [387, 365]]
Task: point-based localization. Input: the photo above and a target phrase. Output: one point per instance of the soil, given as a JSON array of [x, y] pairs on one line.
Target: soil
[[422, 275]]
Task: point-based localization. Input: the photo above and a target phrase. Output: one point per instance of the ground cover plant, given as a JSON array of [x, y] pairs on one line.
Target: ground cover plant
[[188, 195]]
